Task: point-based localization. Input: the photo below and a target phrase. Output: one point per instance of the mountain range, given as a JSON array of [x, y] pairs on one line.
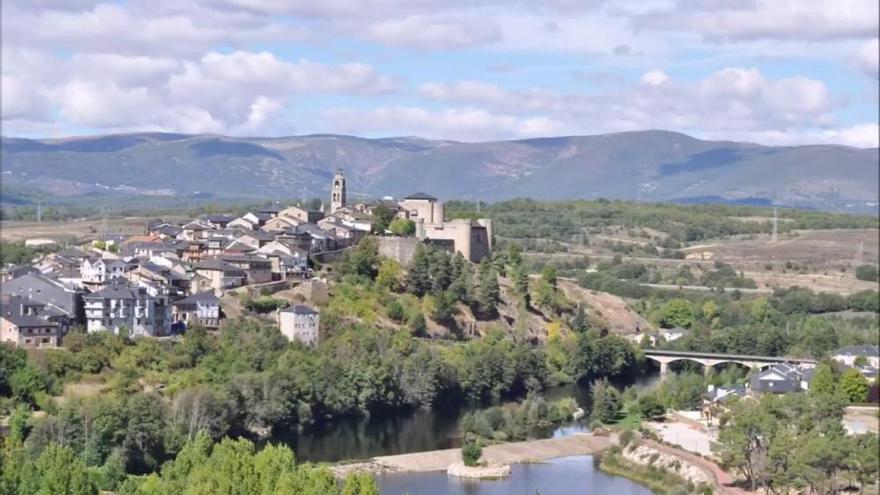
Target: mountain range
[[643, 165]]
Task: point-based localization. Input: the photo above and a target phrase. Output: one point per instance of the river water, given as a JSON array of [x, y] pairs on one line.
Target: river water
[[578, 475], [404, 432]]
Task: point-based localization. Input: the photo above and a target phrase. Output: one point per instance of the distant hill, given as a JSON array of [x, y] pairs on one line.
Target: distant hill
[[646, 165]]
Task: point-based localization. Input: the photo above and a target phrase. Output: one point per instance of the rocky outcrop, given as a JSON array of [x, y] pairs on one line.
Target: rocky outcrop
[[481, 472], [647, 456]]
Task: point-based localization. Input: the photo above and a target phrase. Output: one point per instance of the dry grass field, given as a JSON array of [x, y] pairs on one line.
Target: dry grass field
[[70, 230], [820, 249]]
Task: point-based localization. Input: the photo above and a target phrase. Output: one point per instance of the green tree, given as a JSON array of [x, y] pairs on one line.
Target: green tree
[[382, 216], [488, 292], [854, 385], [360, 484], [402, 227], [59, 472], [390, 275], [650, 407], [548, 274], [579, 322], [824, 380], [471, 453], [26, 382], [18, 424], [521, 282], [677, 313], [363, 260], [418, 279], [606, 401]]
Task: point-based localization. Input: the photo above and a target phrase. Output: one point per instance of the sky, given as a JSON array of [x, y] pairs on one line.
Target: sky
[[776, 72]]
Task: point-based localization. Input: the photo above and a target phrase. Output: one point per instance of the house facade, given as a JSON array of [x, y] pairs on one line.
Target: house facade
[[95, 273], [29, 331], [198, 309], [781, 379], [300, 323], [870, 354], [119, 306]]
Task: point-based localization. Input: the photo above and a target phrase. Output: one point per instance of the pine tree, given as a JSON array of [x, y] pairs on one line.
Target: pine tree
[[488, 292], [521, 283], [418, 280], [461, 278], [579, 322], [441, 271]]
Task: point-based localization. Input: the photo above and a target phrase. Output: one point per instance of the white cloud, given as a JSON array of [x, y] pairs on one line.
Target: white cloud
[[234, 92], [434, 32], [769, 19], [654, 77], [461, 123], [869, 57], [731, 100], [862, 135]]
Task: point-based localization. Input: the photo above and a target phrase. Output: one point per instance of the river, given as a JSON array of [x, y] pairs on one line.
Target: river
[[563, 476], [415, 430]]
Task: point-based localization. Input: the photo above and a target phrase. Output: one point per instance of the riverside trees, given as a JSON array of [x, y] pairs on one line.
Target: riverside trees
[[795, 441]]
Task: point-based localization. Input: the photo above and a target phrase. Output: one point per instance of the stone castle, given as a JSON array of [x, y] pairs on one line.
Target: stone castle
[[471, 238]]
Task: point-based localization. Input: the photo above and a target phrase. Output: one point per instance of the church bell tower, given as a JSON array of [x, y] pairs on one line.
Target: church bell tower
[[337, 192]]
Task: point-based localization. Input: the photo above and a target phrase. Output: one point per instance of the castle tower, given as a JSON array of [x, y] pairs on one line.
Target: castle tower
[[337, 192]]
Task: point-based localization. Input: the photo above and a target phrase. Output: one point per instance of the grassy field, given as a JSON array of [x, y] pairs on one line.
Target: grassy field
[[77, 230]]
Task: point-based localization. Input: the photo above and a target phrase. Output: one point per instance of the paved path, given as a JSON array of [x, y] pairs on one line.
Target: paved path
[[723, 480], [505, 453]]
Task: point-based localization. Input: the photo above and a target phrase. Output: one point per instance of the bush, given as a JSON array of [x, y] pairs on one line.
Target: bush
[[264, 304], [395, 311], [867, 273], [649, 406], [627, 437], [471, 453]]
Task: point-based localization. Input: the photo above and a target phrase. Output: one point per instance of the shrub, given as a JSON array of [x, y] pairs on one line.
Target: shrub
[[471, 453], [867, 273]]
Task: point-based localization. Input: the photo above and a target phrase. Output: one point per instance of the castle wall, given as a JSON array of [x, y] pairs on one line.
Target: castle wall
[[400, 249]]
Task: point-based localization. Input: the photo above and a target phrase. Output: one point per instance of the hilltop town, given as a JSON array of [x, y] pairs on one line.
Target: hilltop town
[[175, 274]]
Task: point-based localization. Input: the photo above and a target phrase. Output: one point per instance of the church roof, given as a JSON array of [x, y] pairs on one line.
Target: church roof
[[421, 195]]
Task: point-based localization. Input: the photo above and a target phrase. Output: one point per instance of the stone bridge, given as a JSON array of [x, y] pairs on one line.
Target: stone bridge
[[710, 360]]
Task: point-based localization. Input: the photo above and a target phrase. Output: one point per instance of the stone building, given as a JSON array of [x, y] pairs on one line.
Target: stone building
[[300, 323], [337, 192], [29, 331], [471, 238]]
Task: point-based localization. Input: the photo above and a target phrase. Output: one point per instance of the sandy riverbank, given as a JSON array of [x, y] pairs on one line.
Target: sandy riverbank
[[504, 453]]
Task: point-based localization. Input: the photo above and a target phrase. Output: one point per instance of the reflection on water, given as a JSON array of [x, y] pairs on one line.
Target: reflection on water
[[411, 431], [564, 476]]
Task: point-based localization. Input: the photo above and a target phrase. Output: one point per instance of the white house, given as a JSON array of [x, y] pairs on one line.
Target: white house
[[300, 323], [119, 306], [849, 354], [672, 334], [98, 272], [198, 309]]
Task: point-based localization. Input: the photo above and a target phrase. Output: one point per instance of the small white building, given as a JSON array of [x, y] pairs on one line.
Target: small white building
[[198, 309], [300, 323], [98, 272], [849, 354], [672, 334], [119, 306]]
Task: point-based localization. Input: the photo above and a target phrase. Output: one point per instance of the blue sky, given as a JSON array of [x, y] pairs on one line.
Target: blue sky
[[770, 71]]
